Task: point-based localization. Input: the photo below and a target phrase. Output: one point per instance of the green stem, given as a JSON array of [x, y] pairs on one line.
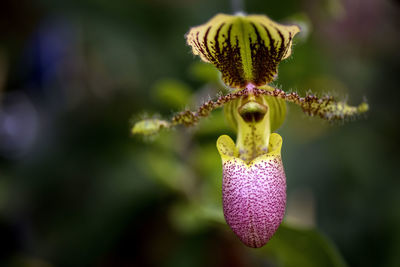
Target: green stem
[[237, 6]]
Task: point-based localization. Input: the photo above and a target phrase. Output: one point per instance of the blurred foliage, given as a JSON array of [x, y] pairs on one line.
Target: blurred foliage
[[172, 93], [204, 72], [293, 246], [77, 190]]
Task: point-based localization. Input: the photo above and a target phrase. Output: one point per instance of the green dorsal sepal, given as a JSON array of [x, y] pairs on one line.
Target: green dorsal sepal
[[246, 49]]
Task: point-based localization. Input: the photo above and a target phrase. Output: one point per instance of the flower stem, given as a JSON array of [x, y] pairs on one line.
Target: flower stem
[[237, 6]]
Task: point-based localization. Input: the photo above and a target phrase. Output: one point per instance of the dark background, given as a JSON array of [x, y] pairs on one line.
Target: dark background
[[76, 189]]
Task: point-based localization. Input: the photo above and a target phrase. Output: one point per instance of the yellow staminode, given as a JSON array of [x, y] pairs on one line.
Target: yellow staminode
[[246, 49]]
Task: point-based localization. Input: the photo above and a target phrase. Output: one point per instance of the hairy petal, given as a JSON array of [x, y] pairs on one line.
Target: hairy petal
[[186, 117], [325, 107], [254, 195], [246, 49]]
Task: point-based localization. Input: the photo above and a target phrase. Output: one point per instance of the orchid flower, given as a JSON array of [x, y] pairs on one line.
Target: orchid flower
[[247, 51]]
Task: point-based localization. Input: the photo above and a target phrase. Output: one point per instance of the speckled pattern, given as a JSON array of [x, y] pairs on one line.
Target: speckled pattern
[[254, 198]]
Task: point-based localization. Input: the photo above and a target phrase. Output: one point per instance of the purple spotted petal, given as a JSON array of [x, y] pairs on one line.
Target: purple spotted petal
[[254, 198]]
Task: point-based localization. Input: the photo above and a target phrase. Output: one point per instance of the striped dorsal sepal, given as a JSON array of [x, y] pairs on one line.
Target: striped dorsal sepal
[[246, 49]]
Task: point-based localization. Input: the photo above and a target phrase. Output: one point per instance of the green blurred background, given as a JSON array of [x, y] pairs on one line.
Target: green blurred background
[[77, 190]]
